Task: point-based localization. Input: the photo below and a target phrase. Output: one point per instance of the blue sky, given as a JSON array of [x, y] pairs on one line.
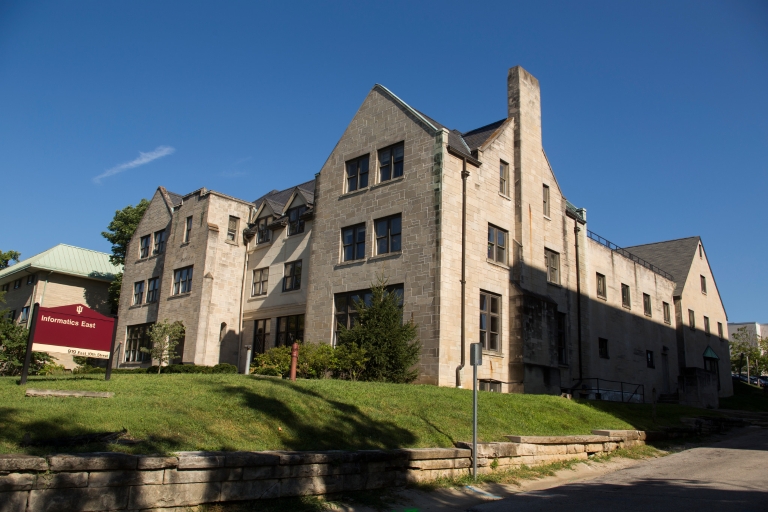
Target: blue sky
[[655, 114]]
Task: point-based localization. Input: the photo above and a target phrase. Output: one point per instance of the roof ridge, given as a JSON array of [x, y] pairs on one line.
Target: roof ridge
[[470, 132]]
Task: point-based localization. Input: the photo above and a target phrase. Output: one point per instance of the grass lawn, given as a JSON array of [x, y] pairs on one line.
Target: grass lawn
[[746, 397], [174, 412]]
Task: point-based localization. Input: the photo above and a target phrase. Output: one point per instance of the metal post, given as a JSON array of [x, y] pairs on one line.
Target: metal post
[[474, 421], [248, 355], [28, 355], [108, 373]]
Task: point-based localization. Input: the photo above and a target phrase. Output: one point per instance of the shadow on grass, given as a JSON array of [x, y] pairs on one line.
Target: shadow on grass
[[640, 416], [746, 397], [58, 434], [350, 429]]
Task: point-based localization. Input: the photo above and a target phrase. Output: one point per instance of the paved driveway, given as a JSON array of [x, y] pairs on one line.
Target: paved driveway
[[730, 475]]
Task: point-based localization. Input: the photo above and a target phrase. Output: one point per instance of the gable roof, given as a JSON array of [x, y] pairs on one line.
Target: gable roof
[[477, 137], [674, 256], [68, 259], [277, 199]]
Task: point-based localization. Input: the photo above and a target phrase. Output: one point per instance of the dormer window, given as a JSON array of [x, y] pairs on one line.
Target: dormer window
[[295, 222], [263, 234]]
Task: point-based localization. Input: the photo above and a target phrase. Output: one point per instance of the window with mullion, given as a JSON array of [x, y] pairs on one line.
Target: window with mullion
[[504, 177], [263, 234], [289, 330], [497, 244], [357, 173], [144, 247], [260, 281], [188, 229], [292, 276], [182, 280], [388, 234], [647, 310], [625, 298], [138, 293], [353, 242], [153, 289], [552, 260], [391, 162], [295, 222], [159, 242], [490, 321]]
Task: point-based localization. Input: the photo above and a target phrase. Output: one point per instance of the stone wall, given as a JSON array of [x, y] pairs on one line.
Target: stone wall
[[114, 481]]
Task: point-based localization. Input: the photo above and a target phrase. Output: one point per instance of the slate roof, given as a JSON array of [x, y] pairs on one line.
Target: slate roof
[[477, 137], [276, 199], [68, 259], [673, 256], [175, 198]]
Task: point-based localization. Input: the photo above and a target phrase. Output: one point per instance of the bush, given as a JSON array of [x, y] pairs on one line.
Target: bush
[[13, 349], [316, 361], [274, 362], [191, 368]]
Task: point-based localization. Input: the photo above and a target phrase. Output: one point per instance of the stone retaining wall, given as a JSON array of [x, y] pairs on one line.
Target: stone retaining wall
[[114, 481]]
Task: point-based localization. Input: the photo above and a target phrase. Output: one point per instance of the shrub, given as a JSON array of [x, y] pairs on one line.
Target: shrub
[[275, 361], [191, 368], [52, 369], [316, 361], [350, 361], [392, 347], [13, 349]]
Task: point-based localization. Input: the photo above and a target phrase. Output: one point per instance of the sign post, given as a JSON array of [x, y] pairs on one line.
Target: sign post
[[475, 360], [28, 355]]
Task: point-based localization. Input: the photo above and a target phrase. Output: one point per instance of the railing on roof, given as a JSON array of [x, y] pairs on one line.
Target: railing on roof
[[607, 243]]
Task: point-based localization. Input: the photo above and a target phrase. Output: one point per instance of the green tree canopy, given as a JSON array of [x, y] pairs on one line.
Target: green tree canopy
[[7, 257], [391, 346], [165, 338], [754, 349], [119, 233]]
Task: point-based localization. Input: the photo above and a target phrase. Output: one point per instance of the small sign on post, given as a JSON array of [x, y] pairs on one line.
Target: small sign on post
[[475, 360]]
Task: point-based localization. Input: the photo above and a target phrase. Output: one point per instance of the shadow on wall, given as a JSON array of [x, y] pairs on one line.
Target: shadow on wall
[[351, 430], [97, 298], [229, 344]]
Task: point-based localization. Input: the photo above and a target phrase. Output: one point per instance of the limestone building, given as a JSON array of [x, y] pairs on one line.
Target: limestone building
[[60, 276], [474, 233]]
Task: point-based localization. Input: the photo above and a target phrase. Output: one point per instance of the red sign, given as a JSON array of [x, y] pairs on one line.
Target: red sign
[[76, 330]]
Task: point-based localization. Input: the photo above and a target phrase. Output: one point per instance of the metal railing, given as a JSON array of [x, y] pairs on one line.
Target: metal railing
[[611, 390], [612, 246]]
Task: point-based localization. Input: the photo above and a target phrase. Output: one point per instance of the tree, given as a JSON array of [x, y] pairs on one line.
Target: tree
[[119, 233], [7, 257], [165, 338], [391, 346], [13, 348], [754, 348]]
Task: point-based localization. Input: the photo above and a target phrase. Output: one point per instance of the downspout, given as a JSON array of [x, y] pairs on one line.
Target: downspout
[[576, 230], [464, 176], [42, 297], [242, 300]]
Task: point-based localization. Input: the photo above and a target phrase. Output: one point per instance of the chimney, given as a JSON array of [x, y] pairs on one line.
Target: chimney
[[524, 105]]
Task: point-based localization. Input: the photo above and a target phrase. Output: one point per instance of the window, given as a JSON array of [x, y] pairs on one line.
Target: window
[[647, 305], [17, 284], [345, 305], [261, 336], [30, 280], [490, 321], [691, 319], [138, 293], [497, 244], [153, 290], [138, 338], [703, 285], [24, 314], [546, 200], [601, 291], [720, 330], [12, 315], [353, 242], [649, 359], [391, 162], [625, 298], [494, 386], [562, 350], [292, 276], [182, 280], [289, 330], [701, 253], [295, 222], [144, 247], [552, 260], [5, 287], [504, 177], [263, 234], [667, 315], [232, 228], [188, 229], [357, 173], [388, 234], [260, 282], [706, 325], [602, 348], [159, 242]]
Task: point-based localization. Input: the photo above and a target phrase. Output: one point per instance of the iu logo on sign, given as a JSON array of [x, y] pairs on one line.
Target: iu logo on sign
[[79, 309]]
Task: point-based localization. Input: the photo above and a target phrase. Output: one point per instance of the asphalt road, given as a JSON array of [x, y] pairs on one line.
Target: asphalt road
[[729, 475]]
